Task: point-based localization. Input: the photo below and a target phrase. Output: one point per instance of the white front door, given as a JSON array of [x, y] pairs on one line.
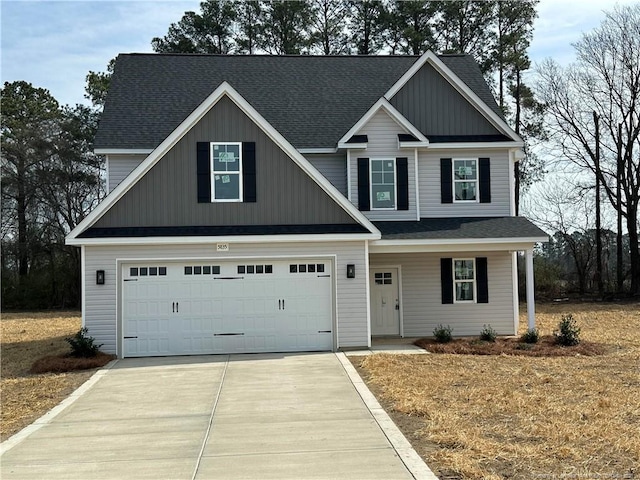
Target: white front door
[[385, 301]]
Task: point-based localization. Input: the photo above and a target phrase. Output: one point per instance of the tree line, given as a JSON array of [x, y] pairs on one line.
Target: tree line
[[51, 179]]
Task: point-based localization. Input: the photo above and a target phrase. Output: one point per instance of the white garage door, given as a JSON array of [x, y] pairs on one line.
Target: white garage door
[[203, 307]]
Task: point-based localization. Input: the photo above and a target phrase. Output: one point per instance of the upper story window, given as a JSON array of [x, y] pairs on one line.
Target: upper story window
[[226, 172], [465, 180], [464, 280], [383, 184]]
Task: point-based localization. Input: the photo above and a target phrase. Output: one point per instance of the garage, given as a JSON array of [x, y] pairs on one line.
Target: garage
[[212, 307]]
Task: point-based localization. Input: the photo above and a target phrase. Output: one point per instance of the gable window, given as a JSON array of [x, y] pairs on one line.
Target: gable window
[[464, 280], [226, 172], [383, 184], [465, 180]]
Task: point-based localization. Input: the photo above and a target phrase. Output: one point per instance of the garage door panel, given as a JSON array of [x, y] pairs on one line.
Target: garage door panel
[[229, 308]]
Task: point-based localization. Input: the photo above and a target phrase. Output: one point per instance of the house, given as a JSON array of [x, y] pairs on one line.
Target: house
[[300, 203]]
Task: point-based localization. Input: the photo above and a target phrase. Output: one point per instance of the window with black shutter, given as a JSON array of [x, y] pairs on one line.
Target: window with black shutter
[[226, 172]]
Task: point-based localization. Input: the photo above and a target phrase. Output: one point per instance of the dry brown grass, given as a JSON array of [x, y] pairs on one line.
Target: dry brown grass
[[26, 337], [489, 417]]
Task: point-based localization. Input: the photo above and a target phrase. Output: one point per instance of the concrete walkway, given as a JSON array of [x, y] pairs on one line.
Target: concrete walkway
[[235, 417]]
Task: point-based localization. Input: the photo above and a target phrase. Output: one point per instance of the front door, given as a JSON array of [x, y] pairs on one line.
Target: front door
[[385, 301]]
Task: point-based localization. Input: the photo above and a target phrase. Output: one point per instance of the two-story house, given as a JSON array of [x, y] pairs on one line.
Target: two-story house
[[300, 203]]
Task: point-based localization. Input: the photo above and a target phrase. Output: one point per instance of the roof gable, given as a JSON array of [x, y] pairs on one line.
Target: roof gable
[[224, 93]]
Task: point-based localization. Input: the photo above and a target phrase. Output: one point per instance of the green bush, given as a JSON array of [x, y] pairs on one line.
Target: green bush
[[568, 333], [488, 334], [530, 336], [442, 334], [83, 345]]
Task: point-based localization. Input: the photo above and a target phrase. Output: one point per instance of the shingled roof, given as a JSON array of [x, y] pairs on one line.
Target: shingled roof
[[311, 100]]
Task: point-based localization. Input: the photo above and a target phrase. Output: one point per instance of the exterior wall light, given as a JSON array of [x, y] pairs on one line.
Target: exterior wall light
[[351, 270]]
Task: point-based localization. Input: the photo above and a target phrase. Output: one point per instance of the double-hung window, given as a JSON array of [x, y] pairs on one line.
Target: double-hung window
[[464, 280], [383, 184], [465, 180], [226, 172]]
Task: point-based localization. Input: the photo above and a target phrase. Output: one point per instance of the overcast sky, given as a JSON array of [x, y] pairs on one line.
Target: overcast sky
[[54, 44]]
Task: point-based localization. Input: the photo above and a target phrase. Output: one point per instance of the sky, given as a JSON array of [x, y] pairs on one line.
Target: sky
[[54, 44]]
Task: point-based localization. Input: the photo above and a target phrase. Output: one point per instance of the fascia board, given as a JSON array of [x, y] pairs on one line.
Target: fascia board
[[393, 113], [353, 146], [317, 150], [122, 151], [458, 245], [474, 145], [459, 85], [209, 240], [223, 89], [413, 144]]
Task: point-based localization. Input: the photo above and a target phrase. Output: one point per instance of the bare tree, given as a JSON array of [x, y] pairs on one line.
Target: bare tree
[[605, 79]]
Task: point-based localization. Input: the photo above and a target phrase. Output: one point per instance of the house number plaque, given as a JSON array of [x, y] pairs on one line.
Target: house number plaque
[[222, 247]]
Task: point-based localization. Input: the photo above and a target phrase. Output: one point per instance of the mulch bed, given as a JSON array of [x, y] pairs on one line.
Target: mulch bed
[[546, 347], [67, 363]]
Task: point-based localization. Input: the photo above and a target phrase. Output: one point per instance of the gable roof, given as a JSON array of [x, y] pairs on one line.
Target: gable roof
[[311, 100], [161, 150]]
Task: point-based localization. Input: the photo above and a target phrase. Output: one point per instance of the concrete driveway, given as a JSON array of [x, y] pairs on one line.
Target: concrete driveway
[[235, 417]]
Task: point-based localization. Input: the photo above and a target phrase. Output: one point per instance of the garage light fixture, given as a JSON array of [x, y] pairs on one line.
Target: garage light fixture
[[351, 270], [99, 277]]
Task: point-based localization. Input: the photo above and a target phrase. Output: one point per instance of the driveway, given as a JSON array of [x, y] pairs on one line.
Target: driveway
[[235, 417]]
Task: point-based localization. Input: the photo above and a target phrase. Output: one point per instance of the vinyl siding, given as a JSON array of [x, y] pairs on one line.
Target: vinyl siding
[[435, 107], [429, 185], [333, 167], [167, 194], [382, 132], [120, 166], [102, 310], [421, 295]]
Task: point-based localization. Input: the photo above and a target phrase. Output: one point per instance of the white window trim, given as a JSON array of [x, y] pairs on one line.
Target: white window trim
[[474, 280], [454, 181], [212, 172], [395, 185]]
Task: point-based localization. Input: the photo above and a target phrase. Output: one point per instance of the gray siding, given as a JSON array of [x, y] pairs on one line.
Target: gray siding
[[382, 132], [120, 166], [429, 185], [102, 310], [431, 103], [421, 295], [333, 167], [167, 194]]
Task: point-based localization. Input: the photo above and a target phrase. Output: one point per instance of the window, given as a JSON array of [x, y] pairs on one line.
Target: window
[[383, 184], [465, 180], [226, 167], [464, 280], [385, 278]]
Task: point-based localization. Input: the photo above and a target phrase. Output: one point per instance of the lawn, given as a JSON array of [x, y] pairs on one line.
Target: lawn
[[504, 416], [26, 337]]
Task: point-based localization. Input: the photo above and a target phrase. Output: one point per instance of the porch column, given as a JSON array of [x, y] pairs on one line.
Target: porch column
[[531, 303]]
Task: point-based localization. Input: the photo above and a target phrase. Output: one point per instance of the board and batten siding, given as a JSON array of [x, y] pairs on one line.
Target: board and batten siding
[[429, 185], [167, 194], [119, 166], [333, 167], [382, 132], [101, 307], [422, 305], [435, 107]]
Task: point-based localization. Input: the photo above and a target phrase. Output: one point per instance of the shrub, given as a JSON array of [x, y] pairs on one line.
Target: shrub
[[83, 345], [488, 334], [442, 334], [568, 333], [530, 336]]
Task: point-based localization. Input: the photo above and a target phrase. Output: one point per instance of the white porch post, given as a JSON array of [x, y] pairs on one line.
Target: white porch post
[[531, 303]]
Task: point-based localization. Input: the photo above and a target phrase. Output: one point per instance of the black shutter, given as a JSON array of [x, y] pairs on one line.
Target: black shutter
[[249, 172], [402, 170], [482, 283], [446, 279], [204, 172], [364, 202], [485, 180], [446, 181]]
